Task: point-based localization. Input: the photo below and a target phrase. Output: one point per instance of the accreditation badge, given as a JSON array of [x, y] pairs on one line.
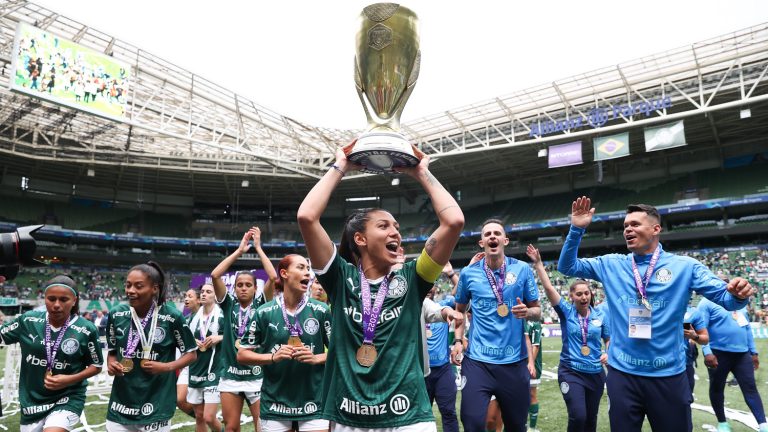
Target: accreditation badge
[[639, 323]]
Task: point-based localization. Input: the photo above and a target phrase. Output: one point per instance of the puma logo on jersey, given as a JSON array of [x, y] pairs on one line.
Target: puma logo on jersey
[[33, 337], [121, 331], [274, 325]]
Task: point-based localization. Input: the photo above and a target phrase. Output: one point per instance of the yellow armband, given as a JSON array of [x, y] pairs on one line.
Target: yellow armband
[[427, 268]]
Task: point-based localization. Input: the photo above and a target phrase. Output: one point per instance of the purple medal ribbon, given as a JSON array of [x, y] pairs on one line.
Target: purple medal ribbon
[[242, 319], [498, 289], [639, 283], [51, 351], [133, 336], [584, 325], [371, 313], [294, 328]]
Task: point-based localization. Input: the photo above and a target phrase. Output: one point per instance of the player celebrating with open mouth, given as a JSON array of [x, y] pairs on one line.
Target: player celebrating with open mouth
[[239, 383], [61, 351], [142, 338], [373, 376], [289, 336]]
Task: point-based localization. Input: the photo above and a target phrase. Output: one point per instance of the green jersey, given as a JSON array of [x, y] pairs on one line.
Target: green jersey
[[204, 372], [291, 391], [79, 349], [230, 368], [139, 397], [390, 393], [533, 328]]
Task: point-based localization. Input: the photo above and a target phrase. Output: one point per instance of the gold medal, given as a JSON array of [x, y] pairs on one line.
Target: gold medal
[[429, 333], [646, 303], [143, 362], [127, 365], [585, 350], [49, 373], [237, 344], [366, 355], [203, 348], [502, 310], [295, 341]]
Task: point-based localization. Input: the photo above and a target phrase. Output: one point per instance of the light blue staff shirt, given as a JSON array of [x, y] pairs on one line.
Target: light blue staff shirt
[[668, 292], [437, 344], [495, 339], [693, 317], [597, 329], [725, 333]]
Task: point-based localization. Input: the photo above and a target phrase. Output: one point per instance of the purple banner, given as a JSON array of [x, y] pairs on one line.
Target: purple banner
[[565, 154]]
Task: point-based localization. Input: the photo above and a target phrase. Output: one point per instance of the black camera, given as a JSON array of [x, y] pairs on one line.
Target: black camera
[[18, 249]]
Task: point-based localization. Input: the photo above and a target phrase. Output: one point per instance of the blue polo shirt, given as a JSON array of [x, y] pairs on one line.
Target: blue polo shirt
[[495, 339], [692, 316], [728, 331], [597, 329], [437, 344], [669, 290]]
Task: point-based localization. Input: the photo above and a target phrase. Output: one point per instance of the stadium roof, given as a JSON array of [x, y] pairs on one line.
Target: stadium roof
[[185, 135]]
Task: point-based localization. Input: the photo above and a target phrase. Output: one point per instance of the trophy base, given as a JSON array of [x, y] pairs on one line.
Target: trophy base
[[382, 152]]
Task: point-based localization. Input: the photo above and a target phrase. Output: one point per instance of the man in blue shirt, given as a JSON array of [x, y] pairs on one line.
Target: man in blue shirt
[[441, 381], [731, 349], [695, 333], [502, 294], [647, 292]]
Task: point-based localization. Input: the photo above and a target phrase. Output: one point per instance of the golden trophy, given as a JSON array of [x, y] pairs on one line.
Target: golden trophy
[[386, 68]]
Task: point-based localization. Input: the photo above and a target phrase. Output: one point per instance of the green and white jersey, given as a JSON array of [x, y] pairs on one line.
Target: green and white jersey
[[79, 349], [204, 372], [533, 328], [291, 391], [230, 368], [138, 397], [391, 392]]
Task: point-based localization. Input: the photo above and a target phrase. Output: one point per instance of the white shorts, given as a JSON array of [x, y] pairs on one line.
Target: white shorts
[[61, 419], [183, 378], [282, 426], [209, 395], [416, 427], [163, 426], [250, 390]]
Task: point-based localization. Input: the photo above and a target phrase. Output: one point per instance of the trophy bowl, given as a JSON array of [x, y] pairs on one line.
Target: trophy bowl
[[387, 63]]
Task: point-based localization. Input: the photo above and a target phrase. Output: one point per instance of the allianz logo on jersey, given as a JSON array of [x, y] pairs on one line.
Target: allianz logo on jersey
[[145, 409], [308, 408], [657, 363], [37, 361], [37, 409], [386, 314], [244, 372], [399, 404], [656, 302]]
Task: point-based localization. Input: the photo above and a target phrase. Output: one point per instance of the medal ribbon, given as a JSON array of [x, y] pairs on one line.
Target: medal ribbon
[[639, 283], [51, 351], [371, 313], [133, 337], [242, 319], [498, 289], [203, 326], [294, 328], [584, 325]]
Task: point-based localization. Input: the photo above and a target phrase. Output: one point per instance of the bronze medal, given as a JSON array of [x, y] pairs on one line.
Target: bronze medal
[[127, 365], [366, 355], [295, 341], [585, 350], [502, 310]]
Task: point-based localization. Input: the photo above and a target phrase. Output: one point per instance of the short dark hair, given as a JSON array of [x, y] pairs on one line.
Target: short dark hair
[[492, 220], [644, 208]]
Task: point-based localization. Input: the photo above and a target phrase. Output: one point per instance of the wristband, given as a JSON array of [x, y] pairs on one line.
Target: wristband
[[336, 167]]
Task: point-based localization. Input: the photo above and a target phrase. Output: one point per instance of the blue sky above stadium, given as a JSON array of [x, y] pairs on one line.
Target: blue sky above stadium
[[296, 57]]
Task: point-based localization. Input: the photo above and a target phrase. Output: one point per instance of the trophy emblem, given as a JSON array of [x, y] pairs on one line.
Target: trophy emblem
[[387, 63]]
